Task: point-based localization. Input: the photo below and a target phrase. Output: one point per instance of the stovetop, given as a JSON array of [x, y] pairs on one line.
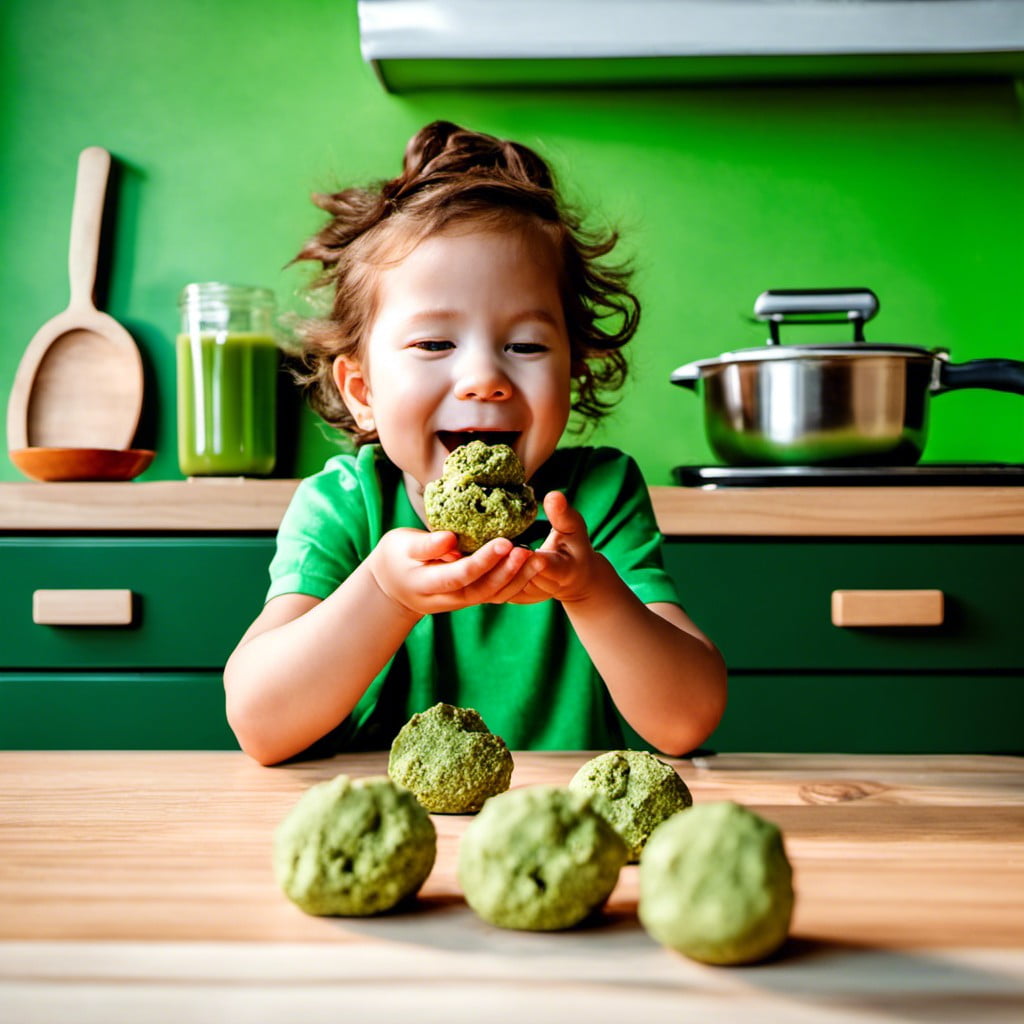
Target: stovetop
[[934, 474]]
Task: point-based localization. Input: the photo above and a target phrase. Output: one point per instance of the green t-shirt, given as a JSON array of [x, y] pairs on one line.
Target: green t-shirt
[[520, 665]]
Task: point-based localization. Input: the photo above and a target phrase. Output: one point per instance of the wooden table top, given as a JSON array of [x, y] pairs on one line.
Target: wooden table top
[[143, 879]]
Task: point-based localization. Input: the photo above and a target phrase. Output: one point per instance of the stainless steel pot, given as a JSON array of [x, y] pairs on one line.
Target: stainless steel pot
[[841, 404]]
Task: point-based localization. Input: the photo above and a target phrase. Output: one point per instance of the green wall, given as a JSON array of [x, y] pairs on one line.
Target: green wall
[[224, 116]]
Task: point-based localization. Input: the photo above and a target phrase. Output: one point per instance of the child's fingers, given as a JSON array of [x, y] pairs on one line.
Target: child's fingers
[[562, 516], [530, 594], [441, 545], [554, 566], [464, 572], [508, 579], [505, 577]]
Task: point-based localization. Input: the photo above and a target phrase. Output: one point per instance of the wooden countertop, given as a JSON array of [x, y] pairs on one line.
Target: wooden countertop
[[250, 505], [137, 886]]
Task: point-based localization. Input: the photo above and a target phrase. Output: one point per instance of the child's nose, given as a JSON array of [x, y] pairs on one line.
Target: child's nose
[[483, 380]]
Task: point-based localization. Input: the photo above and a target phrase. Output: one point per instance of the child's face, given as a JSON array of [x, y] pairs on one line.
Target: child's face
[[469, 341]]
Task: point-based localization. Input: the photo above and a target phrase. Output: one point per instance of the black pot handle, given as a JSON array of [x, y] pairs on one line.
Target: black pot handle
[[994, 374]]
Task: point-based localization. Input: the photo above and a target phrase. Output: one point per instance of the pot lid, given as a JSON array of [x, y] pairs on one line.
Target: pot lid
[[853, 350], [850, 306], [776, 353]]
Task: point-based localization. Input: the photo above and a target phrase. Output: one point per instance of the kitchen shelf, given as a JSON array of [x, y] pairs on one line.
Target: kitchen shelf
[[255, 506], [444, 43]]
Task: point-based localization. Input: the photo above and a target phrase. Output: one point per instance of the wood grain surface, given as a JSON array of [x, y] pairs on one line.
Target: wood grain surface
[[918, 851], [237, 504], [132, 879]]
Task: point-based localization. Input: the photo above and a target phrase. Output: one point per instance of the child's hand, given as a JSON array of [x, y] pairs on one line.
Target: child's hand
[[567, 565], [425, 573]]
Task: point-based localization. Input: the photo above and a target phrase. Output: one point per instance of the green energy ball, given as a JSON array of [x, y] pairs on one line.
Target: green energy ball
[[639, 792], [450, 759], [539, 858], [482, 494], [354, 847], [715, 885], [494, 464]]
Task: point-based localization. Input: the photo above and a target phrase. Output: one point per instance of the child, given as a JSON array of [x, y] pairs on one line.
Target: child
[[468, 304]]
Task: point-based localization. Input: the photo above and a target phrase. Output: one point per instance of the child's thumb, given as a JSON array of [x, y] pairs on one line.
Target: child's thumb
[[561, 515]]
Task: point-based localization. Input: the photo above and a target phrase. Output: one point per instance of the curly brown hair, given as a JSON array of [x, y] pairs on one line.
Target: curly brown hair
[[451, 176]]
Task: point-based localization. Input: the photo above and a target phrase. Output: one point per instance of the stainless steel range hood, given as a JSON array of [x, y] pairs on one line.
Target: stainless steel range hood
[[417, 43]]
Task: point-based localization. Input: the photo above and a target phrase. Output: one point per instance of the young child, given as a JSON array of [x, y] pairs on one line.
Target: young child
[[468, 304]]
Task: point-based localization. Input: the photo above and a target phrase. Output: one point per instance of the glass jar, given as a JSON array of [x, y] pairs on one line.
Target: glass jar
[[227, 380]]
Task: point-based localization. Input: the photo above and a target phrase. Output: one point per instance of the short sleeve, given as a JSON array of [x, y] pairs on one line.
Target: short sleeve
[[327, 528], [615, 502]]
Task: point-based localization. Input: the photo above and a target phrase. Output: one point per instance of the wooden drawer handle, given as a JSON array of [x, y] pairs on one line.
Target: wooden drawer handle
[[887, 607], [82, 607]]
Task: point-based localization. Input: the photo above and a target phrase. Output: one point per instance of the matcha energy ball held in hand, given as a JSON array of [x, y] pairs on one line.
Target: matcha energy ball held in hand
[[482, 494], [354, 847], [539, 858], [716, 885], [639, 793], [450, 759]]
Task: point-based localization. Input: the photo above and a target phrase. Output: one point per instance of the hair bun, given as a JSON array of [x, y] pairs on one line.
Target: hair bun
[[426, 145], [443, 149]]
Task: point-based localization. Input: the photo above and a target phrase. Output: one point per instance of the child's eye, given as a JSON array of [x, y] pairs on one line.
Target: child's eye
[[433, 345], [526, 348]]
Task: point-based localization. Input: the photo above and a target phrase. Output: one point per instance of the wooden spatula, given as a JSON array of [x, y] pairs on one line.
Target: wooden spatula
[[80, 381]]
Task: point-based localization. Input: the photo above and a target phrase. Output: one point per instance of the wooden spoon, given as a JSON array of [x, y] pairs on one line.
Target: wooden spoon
[[79, 383]]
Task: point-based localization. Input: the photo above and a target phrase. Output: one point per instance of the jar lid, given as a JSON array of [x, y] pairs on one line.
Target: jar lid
[[198, 295]]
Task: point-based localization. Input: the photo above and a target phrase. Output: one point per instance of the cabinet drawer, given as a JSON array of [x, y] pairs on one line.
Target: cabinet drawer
[[768, 603], [114, 711], [190, 600], [914, 713]]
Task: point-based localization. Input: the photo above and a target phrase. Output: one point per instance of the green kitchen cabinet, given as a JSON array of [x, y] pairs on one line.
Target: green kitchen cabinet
[[113, 711], [192, 598], [151, 683], [876, 712], [797, 682], [800, 683]]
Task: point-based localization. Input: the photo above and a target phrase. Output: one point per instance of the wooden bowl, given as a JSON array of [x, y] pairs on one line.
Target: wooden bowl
[[51, 464]]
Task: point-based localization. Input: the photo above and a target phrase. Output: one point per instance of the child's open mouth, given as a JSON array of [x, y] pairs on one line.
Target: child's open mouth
[[453, 439]]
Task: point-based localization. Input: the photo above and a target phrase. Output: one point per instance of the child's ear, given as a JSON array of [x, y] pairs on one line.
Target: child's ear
[[354, 388]]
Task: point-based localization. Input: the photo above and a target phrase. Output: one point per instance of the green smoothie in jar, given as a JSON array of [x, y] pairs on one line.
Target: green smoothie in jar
[[227, 381]]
